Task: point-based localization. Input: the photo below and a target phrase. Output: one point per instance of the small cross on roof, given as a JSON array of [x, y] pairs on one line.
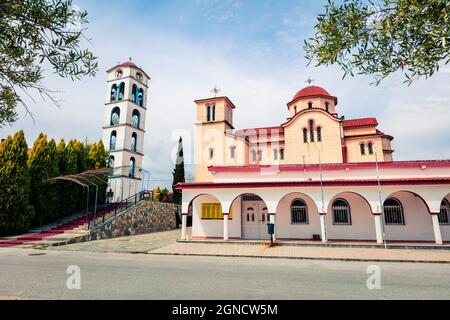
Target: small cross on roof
[[309, 81], [215, 90]]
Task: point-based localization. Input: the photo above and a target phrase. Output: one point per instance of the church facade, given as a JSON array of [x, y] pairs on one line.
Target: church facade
[[317, 176]]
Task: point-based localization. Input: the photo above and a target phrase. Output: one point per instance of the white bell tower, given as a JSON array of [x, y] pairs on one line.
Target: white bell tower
[[124, 128]]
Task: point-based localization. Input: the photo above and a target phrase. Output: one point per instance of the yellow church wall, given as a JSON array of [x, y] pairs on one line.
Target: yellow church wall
[[318, 102], [354, 150], [330, 147]]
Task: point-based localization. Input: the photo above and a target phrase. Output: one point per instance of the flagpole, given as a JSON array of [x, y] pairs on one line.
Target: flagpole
[[380, 199], [323, 199]]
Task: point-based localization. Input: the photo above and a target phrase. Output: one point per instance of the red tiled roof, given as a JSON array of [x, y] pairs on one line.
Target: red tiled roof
[[258, 131], [311, 92], [130, 64], [360, 122]]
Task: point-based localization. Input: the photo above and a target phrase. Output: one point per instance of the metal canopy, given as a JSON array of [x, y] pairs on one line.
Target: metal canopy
[[91, 178]]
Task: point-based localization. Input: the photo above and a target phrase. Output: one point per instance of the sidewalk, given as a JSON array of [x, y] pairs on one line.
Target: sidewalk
[[295, 252]]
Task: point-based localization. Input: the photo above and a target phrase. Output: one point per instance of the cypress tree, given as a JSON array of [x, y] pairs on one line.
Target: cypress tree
[[15, 210], [178, 173], [38, 163]]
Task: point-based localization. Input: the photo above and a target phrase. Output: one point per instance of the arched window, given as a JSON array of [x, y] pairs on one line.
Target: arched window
[[341, 212], [213, 113], [362, 148], [139, 77], [132, 167], [260, 155], [305, 135], [112, 140], [295, 109], [319, 134], [311, 130], [444, 215], [370, 148], [134, 142], [134, 93], [121, 91], [136, 119], [254, 155], [115, 116], [111, 162], [299, 212], [211, 153], [119, 73], [113, 93], [327, 106], [393, 212], [310, 105], [281, 154], [141, 97], [208, 113]]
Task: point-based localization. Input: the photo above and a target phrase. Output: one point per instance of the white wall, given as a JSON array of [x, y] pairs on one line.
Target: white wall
[[214, 228], [363, 224], [286, 230]]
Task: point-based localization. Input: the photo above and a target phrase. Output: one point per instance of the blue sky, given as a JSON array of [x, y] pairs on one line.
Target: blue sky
[[253, 51]]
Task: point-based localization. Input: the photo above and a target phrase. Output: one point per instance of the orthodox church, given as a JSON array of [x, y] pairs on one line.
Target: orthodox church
[[316, 176]]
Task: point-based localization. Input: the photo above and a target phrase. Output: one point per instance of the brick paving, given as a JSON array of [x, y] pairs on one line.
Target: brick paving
[[298, 252]]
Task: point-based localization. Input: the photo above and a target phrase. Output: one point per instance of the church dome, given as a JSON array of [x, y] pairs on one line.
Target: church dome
[[313, 92], [310, 92]]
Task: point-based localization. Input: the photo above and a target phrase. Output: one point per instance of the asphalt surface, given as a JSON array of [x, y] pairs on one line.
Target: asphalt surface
[[33, 274]]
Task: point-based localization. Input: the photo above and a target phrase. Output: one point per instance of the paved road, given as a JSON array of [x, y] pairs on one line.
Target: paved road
[[25, 275]]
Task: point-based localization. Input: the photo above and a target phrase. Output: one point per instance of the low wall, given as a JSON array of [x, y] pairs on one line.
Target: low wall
[[146, 218]]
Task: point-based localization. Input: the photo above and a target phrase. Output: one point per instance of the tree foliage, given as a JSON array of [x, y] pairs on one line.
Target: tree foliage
[[26, 199], [15, 210], [34, 33], [178, 173], [43, 164], [378, 38]]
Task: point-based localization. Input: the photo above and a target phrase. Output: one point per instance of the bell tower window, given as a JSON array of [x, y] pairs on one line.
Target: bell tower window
[[132, 167], [327, 106], [136, 119], [208, 113], [141, 97], [113, 140], [115, 116], [310, 105], [113, 96], [134, 142], [121, 91]]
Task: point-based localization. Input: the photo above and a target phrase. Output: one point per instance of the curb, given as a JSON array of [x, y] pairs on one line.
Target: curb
[[297, 258], [329, 245]]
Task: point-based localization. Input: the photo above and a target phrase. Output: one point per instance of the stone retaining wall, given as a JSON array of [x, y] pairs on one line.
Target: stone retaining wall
[[146, 218]]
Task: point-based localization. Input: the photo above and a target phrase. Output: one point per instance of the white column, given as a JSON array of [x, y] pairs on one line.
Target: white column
[[272, 220], [183, 226], [436, 229], [225, 227], [378, 228], [323, 228]]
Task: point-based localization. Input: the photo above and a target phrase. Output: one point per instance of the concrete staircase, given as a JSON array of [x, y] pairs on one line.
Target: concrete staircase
[[51, 234]]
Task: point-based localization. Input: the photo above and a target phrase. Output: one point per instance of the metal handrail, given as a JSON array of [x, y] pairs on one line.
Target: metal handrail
[[117, 209]]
